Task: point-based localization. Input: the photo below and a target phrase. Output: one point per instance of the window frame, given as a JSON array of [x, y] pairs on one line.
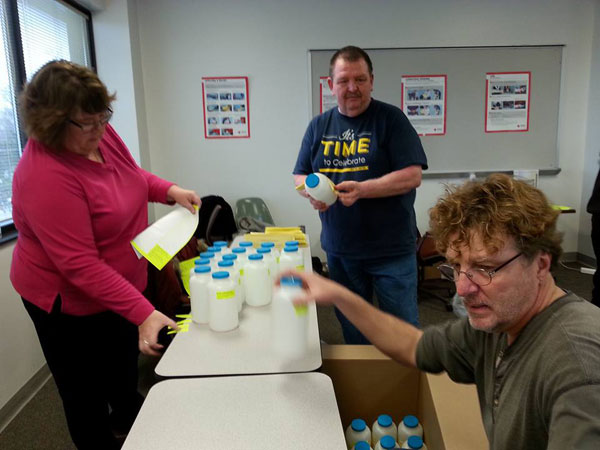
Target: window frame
[[8, 231]]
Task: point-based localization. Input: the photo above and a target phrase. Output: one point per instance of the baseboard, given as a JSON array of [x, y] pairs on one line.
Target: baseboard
[[9, 411], [578, 257]]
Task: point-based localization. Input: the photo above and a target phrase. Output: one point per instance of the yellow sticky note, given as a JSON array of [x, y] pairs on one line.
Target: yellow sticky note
[[158, 257], [185, 267], [301, 310]]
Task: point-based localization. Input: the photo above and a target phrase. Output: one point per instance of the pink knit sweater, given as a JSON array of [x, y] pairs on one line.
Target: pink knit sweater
[[76, 218]]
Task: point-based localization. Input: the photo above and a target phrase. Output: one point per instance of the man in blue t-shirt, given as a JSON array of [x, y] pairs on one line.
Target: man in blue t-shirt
[[374, 157]]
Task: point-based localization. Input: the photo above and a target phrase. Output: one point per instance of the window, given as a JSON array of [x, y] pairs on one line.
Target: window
[[33, 33]]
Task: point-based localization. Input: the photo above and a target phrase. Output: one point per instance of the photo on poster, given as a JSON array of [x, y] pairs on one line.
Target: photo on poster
[[423, 100], [507, 101], [225, 107], [327, 99]]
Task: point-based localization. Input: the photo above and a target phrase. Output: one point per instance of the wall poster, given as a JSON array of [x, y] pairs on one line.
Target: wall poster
[[225, 101], [424, 103], [327, 98], [507, 97]]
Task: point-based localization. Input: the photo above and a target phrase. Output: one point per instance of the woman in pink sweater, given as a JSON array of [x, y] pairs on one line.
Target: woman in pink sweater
[[79, 198]]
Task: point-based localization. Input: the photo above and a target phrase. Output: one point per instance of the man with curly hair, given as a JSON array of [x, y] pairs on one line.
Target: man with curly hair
[[531, 348]]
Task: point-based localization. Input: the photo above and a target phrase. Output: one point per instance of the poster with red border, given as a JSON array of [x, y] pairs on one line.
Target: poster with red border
[[424, 103], [326, 97], [507, 101], [225, 106]]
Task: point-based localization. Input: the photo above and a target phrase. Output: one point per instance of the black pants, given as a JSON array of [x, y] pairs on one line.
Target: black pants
[[94, 362], [596, 246]]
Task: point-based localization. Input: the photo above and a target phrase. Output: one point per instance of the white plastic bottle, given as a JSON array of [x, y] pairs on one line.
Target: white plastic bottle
[[233, 257], [242, 257], [269, 261], [215, 250], [257, 282], [319, 187], [357, 431], [223, 310], [198, 262], [290, 323], [223, 245], [274, 250], [386, 443], [414, 442], [247, 245], [211, 257], [409, 426], [293, 244], [234, 274], [362, 445], [199, 293], [291, 259], [384, 426]]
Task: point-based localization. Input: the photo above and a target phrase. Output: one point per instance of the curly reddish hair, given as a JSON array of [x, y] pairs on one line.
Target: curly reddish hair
[[493, 209]]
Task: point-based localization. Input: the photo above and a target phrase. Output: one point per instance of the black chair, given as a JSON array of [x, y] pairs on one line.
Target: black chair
[[428, 256]]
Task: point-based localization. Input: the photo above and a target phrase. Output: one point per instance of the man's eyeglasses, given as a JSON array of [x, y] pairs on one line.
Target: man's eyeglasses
[[480, 277], [89, 127]]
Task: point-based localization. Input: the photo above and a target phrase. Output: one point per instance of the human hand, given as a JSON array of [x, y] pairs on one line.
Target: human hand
[[317, 289], [184, 197], [348, 192], [148, 332], [316, 204]]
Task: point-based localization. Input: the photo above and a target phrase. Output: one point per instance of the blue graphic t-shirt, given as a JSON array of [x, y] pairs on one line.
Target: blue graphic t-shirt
[[375, 143]]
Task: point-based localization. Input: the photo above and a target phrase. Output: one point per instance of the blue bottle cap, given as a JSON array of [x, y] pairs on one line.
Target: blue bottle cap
[[387, 442], [263, 250], [220, 275], [410, 421], [220, 244], [415, 442], [311, 181], [239, 250], [213, 249], [225, 263], [255, 256], [207, 255], [291, 281], [384, 420], [358, 424], [362, 445], [229, 257], [268, 244], [202, 269], [201, 261], [290, 249], [245, 244], [296, 243]]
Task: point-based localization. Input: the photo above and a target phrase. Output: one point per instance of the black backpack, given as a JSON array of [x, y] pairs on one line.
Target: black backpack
[[216, 221]]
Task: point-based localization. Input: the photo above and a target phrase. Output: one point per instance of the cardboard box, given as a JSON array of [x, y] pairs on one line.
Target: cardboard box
[[368, 383]]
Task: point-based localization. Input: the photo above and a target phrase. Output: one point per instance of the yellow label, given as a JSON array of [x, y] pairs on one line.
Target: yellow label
[[242, 272], [301, 268], [159, 257], [301, 310], [225, 295]]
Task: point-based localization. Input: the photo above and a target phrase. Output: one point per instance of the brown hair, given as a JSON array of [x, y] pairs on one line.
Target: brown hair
[[350, 53], [56, 91], [495, 208]]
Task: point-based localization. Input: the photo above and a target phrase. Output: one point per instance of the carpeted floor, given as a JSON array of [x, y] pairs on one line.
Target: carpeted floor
[[41, 424]]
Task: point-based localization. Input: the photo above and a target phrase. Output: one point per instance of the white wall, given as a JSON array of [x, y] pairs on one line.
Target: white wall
[[20, 352], [268, 41]]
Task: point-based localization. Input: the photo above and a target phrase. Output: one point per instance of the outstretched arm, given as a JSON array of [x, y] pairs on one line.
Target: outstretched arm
[[392, 336]]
